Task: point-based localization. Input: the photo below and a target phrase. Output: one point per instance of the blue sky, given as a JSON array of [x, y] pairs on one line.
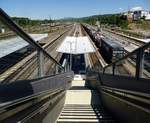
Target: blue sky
[[40, 9]]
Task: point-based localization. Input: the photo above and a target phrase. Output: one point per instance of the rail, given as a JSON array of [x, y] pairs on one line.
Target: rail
[[126, 36], [13, 26], [128, 32], [22, 95]]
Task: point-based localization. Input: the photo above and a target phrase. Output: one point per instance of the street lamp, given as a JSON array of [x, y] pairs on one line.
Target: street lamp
[[70, 55]]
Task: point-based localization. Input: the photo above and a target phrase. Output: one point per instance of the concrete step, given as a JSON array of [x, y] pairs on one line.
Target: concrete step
[[84, 117], [84, 121], [84, 114], [77, 117], [83, 111], [79, 114], [76, 108], [78, 121], [83, 106]]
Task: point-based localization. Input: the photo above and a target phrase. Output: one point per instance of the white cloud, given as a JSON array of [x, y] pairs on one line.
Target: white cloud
[[136, 8]]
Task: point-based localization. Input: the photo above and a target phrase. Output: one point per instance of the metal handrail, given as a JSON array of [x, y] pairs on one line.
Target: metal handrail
[[21, 95], [13, 26], [138, 96]]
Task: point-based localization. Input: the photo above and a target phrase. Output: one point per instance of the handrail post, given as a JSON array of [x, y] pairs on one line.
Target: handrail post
[[113, 69], [68, 67], [40, 59], [103, 70], [56, 69], [65, 68], [70, 62], [139, 63]]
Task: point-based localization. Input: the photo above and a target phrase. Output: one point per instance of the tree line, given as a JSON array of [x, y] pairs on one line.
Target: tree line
[[108, 19], [29, 22]]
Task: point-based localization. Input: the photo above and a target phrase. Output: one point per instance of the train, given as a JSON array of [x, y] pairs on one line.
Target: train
[[111, 50]]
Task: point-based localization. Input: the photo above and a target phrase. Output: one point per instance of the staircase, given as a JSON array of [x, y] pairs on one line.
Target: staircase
[[82, 105], [84, 114]]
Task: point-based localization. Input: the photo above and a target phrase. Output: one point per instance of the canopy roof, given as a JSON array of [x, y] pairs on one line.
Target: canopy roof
[[76, 45], [11, 45]]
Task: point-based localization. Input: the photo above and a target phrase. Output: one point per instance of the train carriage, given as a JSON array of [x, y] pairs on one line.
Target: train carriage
[[111, 49]]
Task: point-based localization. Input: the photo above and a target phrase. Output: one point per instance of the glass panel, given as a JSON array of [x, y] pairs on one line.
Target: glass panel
[[17, 57], [126, 67], [19, 60], [94, 63], [146, 64], [109, 70]]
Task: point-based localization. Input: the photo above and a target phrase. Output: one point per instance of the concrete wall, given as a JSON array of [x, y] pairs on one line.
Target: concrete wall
[[49, 113], [54, 113], [125, 110]]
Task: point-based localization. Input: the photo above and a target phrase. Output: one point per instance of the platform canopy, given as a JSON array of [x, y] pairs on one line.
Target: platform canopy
[[76, 45], [13, 44]]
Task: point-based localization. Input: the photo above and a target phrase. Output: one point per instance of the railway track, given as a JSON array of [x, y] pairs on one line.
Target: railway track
[[25, 67], [96, 60], [52, 50], [37, 29], [133, 33], [125, 38], [130, 66]]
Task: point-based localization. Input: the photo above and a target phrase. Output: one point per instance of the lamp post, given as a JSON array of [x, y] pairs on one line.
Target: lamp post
[[70, 56]]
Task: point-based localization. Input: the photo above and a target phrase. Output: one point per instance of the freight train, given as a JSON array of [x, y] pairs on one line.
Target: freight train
[[111, 50]]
